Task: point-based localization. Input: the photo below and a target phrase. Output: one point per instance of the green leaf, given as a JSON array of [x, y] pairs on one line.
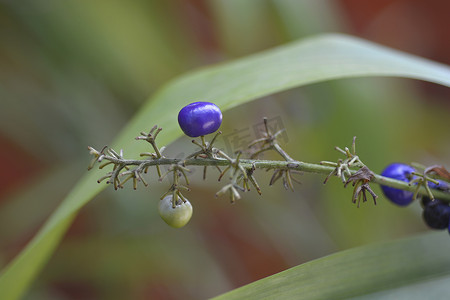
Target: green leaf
[[228, 85], [396, 269]]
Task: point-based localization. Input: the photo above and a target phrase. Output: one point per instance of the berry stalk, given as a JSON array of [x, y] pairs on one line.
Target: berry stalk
[[248, 164]]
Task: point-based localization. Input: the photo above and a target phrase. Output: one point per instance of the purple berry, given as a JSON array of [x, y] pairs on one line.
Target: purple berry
[[425, 201], [437, 214], [442, 186], [400, 172], [199, 118]]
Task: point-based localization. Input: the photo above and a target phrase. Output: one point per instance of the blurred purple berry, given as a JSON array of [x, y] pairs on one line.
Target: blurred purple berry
[[442, 186], [401, 172]]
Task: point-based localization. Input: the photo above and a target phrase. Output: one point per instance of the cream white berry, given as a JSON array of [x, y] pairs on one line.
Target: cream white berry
[[177, 216]]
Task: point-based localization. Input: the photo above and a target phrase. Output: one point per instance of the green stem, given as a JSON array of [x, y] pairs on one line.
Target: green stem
[[202, 137], [274, 164]]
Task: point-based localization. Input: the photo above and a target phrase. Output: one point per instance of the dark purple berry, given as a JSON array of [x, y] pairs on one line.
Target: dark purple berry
[[199, 118], [437, 214], [400, 172], [425, 201]]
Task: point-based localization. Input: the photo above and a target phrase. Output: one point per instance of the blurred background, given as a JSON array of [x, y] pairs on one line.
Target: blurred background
[[72, 73]]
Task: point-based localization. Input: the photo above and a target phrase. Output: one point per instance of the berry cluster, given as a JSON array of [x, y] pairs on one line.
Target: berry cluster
[[202, 118], [436, 213]]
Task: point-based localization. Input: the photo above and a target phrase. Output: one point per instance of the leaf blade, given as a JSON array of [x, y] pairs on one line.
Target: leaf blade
[[357, 272]]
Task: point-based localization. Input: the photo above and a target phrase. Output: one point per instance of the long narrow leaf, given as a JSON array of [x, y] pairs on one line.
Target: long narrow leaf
[[394, 268]]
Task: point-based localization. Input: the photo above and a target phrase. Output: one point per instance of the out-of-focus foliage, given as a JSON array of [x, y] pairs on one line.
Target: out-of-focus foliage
[[395, 270], [72, 73]]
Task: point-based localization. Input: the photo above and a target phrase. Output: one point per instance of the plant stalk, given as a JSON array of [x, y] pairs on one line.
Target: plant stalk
[[274, 164]]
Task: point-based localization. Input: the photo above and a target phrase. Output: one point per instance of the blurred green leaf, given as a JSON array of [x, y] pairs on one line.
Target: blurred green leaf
[[228, 85], [243, 26], [394, 268]]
